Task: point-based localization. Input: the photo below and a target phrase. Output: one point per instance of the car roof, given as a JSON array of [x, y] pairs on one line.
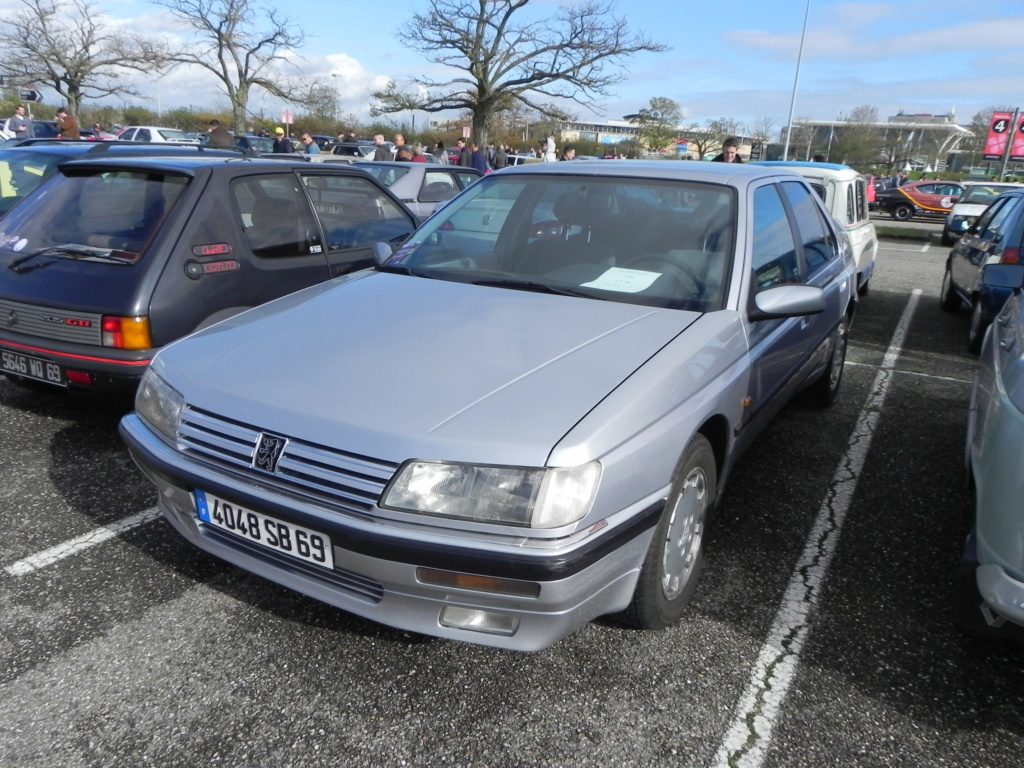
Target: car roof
[[808, 169], [189, 164], [737, 174]]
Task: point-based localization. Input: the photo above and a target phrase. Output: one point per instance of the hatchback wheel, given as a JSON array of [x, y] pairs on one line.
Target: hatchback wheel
[[976, 334], [675, 557], [903, 213], [948, 300]]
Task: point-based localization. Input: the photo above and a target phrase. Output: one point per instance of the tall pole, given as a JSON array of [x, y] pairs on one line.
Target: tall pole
[[796, 80], [1011, 134]]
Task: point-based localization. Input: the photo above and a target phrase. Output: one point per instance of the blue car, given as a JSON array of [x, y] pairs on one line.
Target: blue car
[[994, 239], [992, 598]]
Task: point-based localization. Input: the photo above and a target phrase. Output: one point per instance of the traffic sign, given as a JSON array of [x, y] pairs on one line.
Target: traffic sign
[[26, 94]]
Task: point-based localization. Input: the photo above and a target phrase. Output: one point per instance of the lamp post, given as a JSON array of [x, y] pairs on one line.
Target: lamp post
[[796, 80], [334, 101]]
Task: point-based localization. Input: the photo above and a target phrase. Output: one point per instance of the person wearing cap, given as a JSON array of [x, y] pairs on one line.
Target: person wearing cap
[[281, 142], [68, 125], [218, 136]]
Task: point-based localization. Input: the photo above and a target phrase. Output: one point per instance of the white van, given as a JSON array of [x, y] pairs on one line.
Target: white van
[[845, 194]]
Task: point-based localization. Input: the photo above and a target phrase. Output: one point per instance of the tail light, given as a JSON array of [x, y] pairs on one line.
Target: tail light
[[1010, 256], [126, 332]]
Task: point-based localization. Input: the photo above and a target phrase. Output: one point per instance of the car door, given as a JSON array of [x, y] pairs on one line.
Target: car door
[[982, 244], [353, 213], [792, 243], [439, 185]]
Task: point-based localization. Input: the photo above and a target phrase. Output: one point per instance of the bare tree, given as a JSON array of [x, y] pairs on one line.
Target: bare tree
[[229, 41], [658, 123], [69, 46], [503, 56]]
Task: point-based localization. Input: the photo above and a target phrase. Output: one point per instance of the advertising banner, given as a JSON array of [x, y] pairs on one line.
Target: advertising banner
[[998, 135], [1017, 148]]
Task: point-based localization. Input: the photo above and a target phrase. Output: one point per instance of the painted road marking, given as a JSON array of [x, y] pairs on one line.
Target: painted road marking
[[748, 739]]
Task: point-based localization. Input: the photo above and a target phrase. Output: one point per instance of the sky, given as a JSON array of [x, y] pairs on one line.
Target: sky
[[737, 60]]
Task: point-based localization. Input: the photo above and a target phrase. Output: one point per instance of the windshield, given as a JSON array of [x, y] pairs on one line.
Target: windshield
[[640, 241], [99, 213], [22, 171], [385, 174], [983, 194]]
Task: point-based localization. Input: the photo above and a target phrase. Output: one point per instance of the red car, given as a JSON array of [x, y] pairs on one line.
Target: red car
[[919, 198]]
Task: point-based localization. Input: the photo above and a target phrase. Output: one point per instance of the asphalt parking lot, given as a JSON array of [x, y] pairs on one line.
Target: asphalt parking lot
[[821, 632]]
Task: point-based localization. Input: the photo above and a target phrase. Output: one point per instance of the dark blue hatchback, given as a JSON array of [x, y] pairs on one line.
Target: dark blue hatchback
[[995, 238]]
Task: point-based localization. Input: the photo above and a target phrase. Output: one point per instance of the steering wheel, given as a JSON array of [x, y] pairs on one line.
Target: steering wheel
[[667, 265]]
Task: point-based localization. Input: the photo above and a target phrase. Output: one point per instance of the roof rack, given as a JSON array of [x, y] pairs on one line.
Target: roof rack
[[107, 146]]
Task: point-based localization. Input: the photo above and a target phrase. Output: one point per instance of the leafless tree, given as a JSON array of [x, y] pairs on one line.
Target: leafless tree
[[762, 129], [503, 56], [243, 45], [71, 47]]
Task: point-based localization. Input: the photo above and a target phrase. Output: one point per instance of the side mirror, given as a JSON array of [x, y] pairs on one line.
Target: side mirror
[[788, 301], [381, 253]]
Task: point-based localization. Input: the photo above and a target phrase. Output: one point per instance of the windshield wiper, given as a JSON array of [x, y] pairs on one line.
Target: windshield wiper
[[530, 285], [81, 252]]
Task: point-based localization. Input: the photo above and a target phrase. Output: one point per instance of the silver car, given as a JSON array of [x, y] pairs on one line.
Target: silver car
[[992, 600], [523, 417], [423, 187]]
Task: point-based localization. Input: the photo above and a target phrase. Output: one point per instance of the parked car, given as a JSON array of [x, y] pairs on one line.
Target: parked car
[[996, 238], [993, 558], [421, 186], [919, 198], [152, 133], [523, 418], [26, 163], [845, 193], [975, 199], [258, 144], [362, 149], [112, 258]]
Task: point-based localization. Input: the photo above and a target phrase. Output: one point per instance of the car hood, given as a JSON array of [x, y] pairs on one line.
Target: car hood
[[396, 367]]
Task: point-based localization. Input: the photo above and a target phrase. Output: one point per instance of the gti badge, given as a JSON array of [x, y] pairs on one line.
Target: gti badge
[[268, 452], [12, 318]]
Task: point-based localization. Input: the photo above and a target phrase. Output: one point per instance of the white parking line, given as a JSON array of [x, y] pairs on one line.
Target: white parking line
[[746, 743], [74, 546]]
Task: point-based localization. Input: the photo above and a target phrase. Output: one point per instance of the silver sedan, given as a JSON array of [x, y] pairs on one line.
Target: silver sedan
[[423, 187], [524, 416]]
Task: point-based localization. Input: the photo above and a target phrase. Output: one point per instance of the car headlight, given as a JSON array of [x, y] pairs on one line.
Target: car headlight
[[538, 498], [159, 404]]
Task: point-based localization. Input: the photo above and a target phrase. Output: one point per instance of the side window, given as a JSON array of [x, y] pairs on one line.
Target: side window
[[438, 186], [850, 192], [818, 240], [775, 260], [355, 213], [466, 178], [1002, 212], [275, 216], [143, 135], [927, 189]]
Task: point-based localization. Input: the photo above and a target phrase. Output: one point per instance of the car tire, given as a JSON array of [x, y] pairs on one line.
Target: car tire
[[675, 557], [864, 288], [976, 333], [825, 391], [947, 239], [948, 299], [903, 213]]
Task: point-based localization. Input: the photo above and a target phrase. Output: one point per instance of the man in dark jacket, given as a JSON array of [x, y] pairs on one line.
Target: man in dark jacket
[[282, 144], [218, 136], [730, 152], [465, 153]]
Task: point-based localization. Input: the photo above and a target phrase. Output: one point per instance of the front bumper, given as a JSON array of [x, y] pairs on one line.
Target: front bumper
[[378, 568]]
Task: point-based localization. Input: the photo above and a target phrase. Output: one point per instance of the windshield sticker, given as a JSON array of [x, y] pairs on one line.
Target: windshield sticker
[[624, 280]]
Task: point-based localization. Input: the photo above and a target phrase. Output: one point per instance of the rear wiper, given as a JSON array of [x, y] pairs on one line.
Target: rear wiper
[[529, 285], [127, 258]]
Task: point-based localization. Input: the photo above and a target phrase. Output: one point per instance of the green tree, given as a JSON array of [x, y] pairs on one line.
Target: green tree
[[658, 123], [504, 56]]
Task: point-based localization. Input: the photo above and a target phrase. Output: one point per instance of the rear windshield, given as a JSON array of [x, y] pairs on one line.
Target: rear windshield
[[108, 216]]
